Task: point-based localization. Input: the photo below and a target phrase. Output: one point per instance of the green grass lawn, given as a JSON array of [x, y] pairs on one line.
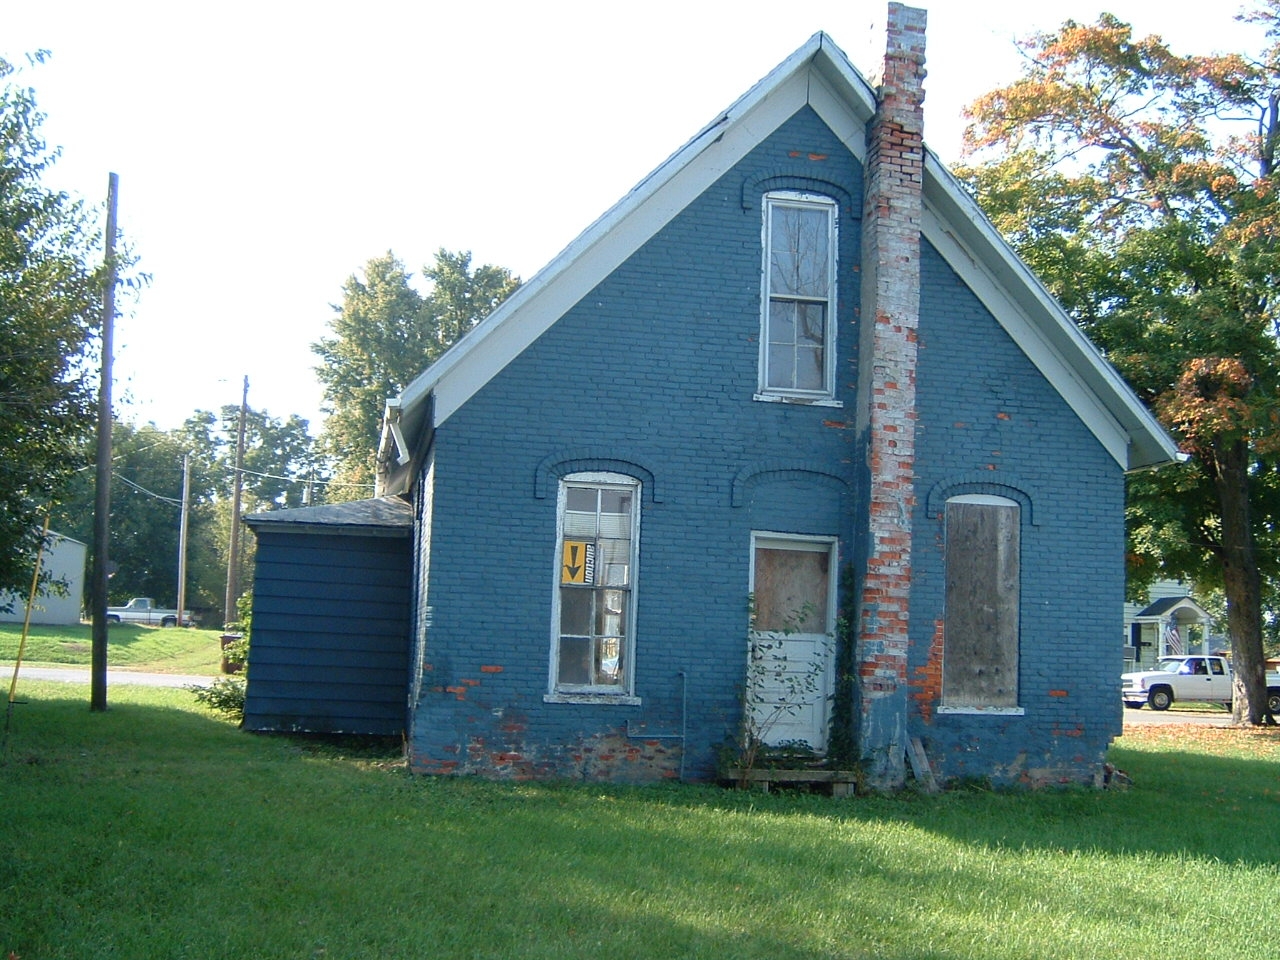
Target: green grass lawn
[[156, 829], [129, 646]]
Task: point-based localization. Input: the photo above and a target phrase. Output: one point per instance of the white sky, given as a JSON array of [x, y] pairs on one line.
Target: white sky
[[267, 150]]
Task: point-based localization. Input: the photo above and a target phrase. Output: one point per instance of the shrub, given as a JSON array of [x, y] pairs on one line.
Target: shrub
[[225, 695]]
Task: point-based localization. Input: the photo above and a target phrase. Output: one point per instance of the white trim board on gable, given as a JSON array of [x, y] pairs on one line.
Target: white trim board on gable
[[819, 75]]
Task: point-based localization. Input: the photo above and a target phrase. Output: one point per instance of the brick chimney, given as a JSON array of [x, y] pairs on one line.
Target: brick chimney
[[887, 389]]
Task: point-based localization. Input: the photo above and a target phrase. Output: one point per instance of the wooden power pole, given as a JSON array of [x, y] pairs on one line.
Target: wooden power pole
[[229, 613], [102, 490]]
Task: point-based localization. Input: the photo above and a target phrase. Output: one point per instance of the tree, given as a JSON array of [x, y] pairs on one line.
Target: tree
[[1140, 185], [385, 334], [50, 297]]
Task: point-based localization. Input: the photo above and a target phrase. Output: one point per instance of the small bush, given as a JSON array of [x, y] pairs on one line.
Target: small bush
[[225, 695]]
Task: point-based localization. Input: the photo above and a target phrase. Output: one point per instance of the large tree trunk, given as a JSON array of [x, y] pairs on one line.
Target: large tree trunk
[[1242, 584]]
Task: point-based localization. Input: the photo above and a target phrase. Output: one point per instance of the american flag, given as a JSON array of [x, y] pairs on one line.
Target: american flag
[[1172, 639]]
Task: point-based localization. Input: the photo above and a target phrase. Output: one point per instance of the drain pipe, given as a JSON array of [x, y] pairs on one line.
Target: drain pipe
[[684, 720]]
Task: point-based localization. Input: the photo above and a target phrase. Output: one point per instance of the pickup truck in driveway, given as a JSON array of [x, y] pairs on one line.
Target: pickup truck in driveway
[[144, 610], [1195, 678]]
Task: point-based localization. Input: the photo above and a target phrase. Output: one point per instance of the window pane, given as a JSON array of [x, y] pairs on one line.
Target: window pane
[[782, 321], [609, 660], [575, 660], [580, 499], [811, 323], [613, 613], [799, 244], [579, 525], [576, 614], [810, 368], [615, 525], [616, 501], [782, 371], [614, 561], [791, 590]]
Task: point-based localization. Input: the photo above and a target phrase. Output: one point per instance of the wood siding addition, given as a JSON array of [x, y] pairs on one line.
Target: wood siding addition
[[329, 650]]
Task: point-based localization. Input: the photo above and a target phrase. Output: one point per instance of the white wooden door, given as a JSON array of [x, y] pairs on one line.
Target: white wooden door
[[790, 653]]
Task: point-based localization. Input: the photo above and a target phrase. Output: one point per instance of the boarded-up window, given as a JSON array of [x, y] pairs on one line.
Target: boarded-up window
[[980, 657]]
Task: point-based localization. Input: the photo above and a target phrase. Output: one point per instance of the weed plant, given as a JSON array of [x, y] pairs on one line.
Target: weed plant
[[157, 829]]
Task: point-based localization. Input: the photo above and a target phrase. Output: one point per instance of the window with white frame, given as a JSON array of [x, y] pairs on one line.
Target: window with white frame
[[797, 337], [980, 632], [594, 606]]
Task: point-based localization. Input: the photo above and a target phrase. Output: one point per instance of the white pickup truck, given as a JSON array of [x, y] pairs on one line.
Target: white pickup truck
[[1193, 677], [144, 610]]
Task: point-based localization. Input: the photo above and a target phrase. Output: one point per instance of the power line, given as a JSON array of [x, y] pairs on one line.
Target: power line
[[141, 489]]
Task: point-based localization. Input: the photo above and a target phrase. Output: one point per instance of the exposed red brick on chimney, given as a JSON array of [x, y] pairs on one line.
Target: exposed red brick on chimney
[[890, 317]]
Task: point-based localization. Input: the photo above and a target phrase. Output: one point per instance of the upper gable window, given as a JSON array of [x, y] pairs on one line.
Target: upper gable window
[[797, 336]]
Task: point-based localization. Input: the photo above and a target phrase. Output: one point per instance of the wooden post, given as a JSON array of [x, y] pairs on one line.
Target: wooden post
[[182, 535], [102, 490], [233, 548]]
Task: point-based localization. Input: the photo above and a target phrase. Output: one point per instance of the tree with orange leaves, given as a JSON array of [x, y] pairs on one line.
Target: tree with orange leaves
[[1141, 186]]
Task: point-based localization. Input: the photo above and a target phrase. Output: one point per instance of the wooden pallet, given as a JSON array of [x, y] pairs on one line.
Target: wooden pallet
[[843, 782]]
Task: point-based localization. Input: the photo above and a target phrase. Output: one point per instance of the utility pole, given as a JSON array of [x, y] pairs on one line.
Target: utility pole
[[229, 613], [102, 490], [182, 536]]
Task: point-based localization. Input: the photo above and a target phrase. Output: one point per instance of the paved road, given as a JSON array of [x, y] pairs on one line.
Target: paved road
[[1200, 718], [81, 675]]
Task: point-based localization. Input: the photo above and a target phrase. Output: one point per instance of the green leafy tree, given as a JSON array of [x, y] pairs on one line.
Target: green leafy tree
[[146, 500], [282, 465], [385, 333], [1140, 185], [50, 302]]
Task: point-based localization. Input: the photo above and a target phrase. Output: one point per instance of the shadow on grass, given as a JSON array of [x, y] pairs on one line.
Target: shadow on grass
[[225, 843], [1208, 804]]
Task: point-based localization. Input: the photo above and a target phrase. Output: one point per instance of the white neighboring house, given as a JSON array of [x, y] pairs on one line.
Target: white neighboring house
[[63, 562], [1171, 623]]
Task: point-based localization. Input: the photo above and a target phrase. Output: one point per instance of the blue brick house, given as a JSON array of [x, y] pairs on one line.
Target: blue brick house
[[788, 448]]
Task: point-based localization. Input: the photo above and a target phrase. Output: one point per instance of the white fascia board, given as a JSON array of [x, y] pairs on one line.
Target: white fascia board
[[598, 251], [606, 243], [973, 247]]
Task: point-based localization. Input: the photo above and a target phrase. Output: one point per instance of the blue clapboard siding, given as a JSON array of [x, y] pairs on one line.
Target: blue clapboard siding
[[330, 642]]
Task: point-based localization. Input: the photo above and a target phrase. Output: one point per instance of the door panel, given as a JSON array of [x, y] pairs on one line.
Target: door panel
[[789, 679]]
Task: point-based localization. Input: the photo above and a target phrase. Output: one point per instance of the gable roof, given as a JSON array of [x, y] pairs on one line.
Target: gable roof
[[1165, 607], [821, 76]]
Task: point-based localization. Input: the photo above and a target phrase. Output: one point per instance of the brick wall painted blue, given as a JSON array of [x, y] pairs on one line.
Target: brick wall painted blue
[[989, 422], [657, 367], [652, 374]]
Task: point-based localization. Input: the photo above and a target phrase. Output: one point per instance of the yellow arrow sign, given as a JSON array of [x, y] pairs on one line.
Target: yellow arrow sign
[[573, 567]]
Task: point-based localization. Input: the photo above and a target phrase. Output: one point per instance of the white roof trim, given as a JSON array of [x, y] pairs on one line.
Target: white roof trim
[[820, 75], [622, 230], [974, 248]]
